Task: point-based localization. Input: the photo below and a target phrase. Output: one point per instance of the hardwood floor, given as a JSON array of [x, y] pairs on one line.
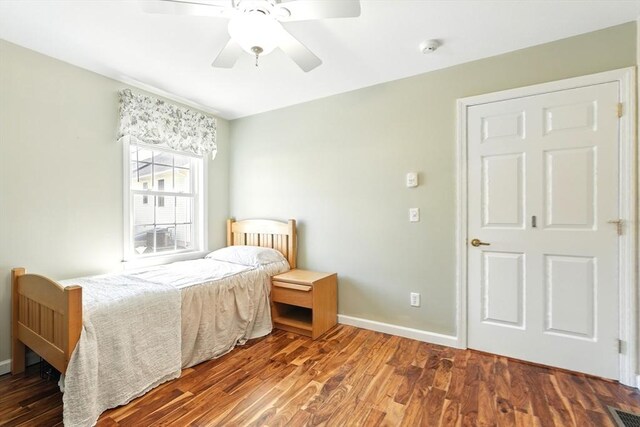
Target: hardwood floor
[[347, 377]]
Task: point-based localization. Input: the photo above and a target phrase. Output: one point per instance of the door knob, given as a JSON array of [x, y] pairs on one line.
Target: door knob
[[478, 242]]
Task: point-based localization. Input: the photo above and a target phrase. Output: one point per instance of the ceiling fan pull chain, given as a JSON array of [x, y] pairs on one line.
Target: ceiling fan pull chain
[[257, 50]]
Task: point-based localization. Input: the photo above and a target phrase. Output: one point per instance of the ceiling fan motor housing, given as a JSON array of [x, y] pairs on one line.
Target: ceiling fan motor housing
[[252, 6], [265, 7]]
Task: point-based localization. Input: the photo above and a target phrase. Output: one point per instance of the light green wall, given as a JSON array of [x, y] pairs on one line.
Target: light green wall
[[337, 165], [61, 173]]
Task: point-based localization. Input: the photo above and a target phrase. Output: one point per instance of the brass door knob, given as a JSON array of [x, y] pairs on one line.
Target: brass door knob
[[478, 242]]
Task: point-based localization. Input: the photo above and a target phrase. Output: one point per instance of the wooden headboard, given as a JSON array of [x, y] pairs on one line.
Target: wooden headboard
[[280, 236]]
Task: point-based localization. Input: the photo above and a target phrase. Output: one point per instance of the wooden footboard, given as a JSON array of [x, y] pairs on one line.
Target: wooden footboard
[[46, 317]]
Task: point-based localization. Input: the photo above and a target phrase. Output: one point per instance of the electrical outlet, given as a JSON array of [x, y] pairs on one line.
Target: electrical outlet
[[414, 214], [415, 299]]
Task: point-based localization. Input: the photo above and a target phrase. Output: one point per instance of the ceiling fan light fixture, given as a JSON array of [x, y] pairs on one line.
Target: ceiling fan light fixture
[[256, 26], [255, 30]]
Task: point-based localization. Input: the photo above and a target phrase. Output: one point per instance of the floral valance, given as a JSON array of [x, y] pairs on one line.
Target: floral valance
[[153, 121]]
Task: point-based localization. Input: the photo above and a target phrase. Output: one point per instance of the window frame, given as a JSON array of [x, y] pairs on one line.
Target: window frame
[[199, 174]]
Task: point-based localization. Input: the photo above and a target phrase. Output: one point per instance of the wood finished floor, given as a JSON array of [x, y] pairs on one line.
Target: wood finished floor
[[347, 377]]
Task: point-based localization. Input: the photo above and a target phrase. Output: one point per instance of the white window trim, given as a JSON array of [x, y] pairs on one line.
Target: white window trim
[[129, 260]]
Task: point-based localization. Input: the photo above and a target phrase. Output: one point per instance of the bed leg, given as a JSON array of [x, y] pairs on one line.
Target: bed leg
[[17, 357], [17, 347]]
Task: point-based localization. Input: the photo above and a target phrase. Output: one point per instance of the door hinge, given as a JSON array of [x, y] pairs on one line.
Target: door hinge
[[618, 223], [621, 346], [620, 110]]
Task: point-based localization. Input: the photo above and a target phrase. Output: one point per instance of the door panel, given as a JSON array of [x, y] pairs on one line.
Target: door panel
[[503, 288], [573, 172], [570, 117], [570, 282], [502, 191], [503, 126], [542, 184]]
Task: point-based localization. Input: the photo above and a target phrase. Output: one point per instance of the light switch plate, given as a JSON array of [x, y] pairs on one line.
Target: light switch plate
[[412, 179], [415, 299], [414, 214]]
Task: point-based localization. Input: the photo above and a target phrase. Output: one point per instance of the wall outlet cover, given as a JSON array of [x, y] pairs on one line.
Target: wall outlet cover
[[414, 214]]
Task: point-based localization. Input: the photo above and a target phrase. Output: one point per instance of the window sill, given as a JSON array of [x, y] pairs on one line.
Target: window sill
[[151, 261]]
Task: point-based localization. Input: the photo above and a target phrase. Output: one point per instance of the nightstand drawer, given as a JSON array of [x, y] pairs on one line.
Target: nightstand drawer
[[291, 293]]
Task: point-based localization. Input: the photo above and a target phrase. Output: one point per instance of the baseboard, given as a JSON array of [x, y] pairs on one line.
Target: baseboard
[[5, 365], [401, 331]]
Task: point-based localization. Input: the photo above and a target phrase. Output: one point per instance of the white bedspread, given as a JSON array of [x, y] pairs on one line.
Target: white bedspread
[[223, 304], [141, 327], [130, 343]]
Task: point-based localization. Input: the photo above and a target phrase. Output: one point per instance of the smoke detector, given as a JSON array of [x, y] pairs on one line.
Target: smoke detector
[[429, 46]]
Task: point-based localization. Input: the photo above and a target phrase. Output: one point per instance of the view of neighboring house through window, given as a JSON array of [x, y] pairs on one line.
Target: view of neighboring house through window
[[163, 200], [161, 188]]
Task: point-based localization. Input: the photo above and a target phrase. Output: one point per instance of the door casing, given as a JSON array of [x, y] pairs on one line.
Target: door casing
[[628, 200]]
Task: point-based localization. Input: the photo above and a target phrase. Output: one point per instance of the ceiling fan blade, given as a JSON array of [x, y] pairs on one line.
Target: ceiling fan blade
[[228, 55], [298, 52], [302, 10], [171, 7]]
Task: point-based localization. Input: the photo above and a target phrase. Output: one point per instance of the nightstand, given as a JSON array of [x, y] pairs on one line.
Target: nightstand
[[304, 302]]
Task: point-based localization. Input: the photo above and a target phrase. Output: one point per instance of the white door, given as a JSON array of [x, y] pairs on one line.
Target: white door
[[542, 186]]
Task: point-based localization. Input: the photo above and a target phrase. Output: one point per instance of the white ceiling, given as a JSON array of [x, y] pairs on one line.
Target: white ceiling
[[171, 55]]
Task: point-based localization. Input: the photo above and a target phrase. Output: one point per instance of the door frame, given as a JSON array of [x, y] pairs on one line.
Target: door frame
[[628, 199]]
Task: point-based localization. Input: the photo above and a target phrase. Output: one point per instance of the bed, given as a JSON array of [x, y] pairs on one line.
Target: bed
[[47, 316]]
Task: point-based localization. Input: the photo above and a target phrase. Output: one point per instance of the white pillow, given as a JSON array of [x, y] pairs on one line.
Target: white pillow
[[247, 255]]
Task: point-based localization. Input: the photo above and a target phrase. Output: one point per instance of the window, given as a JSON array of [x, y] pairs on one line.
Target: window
[[161, 188], [164, 202]]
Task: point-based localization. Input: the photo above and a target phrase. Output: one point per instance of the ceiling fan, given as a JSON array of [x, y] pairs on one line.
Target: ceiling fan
[[255, 26]]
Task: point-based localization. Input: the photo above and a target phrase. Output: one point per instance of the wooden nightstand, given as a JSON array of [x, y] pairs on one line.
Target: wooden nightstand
[[304, 302]]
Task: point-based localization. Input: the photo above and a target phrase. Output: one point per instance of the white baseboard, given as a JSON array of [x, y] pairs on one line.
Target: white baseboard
[[5, 365], [401, 331]]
